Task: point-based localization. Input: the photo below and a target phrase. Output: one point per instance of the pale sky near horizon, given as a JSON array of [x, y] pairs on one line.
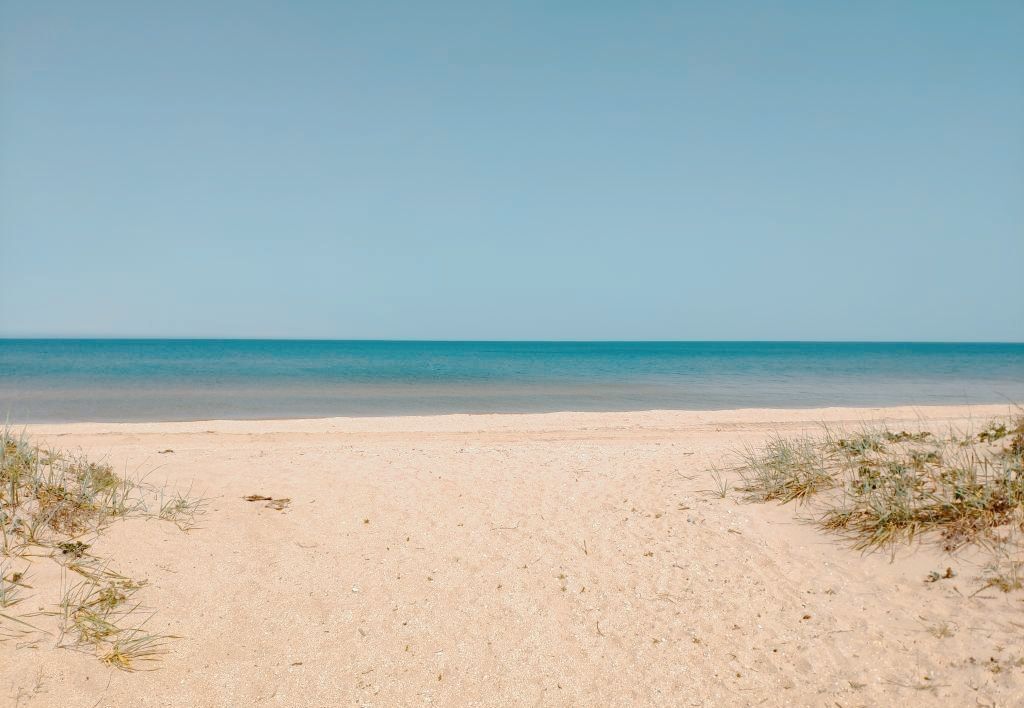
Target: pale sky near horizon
[[517, 170]]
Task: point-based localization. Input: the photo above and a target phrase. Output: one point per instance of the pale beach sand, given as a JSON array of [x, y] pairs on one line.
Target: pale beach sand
[[564, 559]]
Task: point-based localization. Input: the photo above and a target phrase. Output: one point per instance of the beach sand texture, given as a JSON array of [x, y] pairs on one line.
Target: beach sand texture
[[566, 559]]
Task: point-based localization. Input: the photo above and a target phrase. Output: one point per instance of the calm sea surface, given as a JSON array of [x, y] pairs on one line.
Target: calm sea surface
[[112, 380]]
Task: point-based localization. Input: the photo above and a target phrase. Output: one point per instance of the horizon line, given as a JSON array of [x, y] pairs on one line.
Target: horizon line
[[121, 338]]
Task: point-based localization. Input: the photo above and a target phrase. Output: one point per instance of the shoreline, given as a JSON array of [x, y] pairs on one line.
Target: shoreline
[[361, 422]]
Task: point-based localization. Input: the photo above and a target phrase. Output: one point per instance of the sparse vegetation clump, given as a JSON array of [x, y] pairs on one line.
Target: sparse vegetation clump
[[880, 487], [51, 503], [786, 469]]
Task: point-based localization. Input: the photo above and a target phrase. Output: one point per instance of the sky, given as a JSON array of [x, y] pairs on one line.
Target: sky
[[517, 170]]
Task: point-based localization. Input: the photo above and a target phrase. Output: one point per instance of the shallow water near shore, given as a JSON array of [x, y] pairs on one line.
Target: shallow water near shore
[[132, 380]]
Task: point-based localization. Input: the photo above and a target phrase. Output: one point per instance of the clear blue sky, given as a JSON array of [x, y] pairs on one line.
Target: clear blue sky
[[516, 170]]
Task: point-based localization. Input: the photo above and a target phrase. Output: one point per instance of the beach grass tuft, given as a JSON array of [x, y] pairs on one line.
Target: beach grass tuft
[[785, 469], [879, 487], [49, 502]]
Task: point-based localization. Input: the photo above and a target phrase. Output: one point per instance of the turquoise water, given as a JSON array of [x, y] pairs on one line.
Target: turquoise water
[[109, 380]]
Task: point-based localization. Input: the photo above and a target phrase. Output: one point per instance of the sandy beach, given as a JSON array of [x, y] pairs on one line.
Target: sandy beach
[[552, 559]]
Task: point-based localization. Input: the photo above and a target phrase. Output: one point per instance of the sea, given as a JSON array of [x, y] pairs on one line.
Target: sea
[[61, 380]]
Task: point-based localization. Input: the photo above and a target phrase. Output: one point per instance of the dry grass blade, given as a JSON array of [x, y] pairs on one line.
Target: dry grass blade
[[13, 628], [135, 646], [11, 585]]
